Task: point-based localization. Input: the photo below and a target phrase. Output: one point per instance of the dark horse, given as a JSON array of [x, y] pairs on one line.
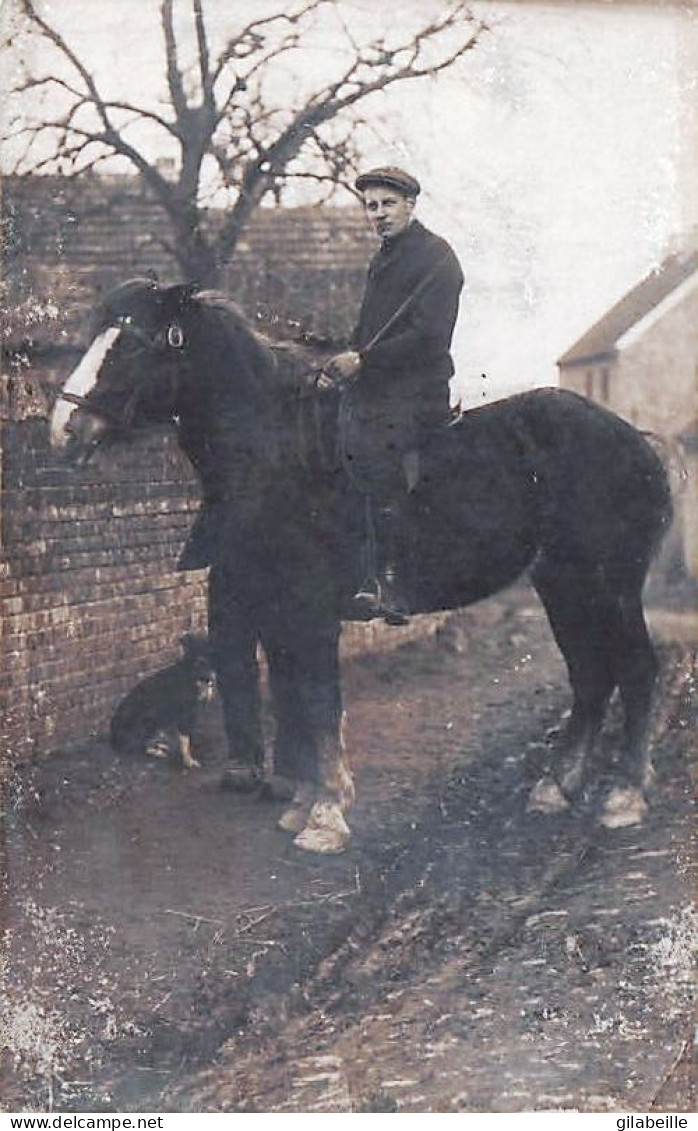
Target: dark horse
[[545, 482]]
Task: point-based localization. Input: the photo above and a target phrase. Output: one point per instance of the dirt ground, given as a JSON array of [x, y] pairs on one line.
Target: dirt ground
[[165, 947]]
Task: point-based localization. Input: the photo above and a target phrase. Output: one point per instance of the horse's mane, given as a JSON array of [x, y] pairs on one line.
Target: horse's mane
[[295, 363], [279, 364], [227, 311]]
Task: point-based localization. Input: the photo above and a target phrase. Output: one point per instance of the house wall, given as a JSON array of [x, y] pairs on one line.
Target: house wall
[[651, 379], [653, 382], [656, 387], [690, 515], [656, 383], [594, 379]]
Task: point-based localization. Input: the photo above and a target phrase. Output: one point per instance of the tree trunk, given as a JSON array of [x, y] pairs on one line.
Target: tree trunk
[[194, 249]]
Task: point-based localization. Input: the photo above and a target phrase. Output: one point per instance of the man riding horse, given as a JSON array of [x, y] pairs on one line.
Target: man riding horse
[[556, 486], [396, 376]]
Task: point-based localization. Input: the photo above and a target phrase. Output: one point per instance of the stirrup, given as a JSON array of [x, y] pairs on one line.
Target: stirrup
[[393, 606], [369, 590], [369, 602], [365, 604]]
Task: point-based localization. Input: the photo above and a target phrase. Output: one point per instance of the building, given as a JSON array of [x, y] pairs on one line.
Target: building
[[641, 361]]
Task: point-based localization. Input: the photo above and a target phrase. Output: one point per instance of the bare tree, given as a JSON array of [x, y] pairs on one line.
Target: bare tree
[[225, 111]]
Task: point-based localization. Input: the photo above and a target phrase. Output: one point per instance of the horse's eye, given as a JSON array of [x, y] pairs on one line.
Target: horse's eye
[[175, 337]]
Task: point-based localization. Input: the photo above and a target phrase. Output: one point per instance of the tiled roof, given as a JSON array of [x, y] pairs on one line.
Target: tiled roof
[[65, 240], [601, 340]]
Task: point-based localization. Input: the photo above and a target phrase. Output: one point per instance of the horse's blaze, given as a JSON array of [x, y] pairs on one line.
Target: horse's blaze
[[81, 382]]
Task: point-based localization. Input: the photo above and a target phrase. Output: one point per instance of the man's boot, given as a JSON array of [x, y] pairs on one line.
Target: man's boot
[[393, 545], [385, 595]]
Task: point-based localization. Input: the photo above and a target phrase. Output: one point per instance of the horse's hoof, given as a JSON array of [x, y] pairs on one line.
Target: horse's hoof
[[241, 779], [296, 816], [623, 808], [294, 819], [547, 797], [571, 782], [326, 831]]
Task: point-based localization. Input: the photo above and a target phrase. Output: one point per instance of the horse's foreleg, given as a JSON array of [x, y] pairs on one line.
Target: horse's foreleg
[[326, 830], [234, 650], [317, 682]]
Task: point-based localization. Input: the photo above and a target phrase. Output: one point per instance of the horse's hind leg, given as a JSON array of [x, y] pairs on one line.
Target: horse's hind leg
[[636, 673], [583, 619]]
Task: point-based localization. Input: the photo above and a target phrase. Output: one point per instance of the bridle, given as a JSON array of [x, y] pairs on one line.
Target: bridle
[[84, 403], [162, 342]]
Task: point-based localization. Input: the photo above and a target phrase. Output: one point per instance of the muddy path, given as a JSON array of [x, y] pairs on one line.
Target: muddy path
[[166, 948]]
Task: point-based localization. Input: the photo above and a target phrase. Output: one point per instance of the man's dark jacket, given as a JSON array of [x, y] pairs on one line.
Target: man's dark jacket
[[404, 377], [402, 389]]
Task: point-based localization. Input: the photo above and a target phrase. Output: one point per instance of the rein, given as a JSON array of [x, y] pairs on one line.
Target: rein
[[309, 429], [75, 398], [87, 406], [310, 436]]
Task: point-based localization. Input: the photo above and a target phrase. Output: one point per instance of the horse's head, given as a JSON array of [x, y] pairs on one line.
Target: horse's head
[[130, 371]]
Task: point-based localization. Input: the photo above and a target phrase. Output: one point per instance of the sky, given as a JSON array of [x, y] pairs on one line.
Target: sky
[[557, 171], [555, 158]]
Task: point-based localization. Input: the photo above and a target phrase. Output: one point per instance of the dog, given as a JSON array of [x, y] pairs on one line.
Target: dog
[[165, 706]]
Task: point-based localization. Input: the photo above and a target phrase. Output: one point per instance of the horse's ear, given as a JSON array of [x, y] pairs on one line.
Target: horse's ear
[[135, 298], [179, 296]]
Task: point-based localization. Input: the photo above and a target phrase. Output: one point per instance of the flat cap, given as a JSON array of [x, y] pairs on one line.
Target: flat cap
[[393, 177]]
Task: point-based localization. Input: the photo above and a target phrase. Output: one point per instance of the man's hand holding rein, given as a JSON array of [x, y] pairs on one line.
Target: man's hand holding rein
[[340, 370]]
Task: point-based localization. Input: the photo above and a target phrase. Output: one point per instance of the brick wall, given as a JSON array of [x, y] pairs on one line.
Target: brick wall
[[302, 264], [91, 601]]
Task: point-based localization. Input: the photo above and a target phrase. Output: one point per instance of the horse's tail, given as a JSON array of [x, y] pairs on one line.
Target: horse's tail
[[565, 432], [663, 487], [672, 454]]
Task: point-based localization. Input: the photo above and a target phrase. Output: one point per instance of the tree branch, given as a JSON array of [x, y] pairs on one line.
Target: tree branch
[[175, 81], [204, 60], [54, 37], [232, 116], [250, 38]]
